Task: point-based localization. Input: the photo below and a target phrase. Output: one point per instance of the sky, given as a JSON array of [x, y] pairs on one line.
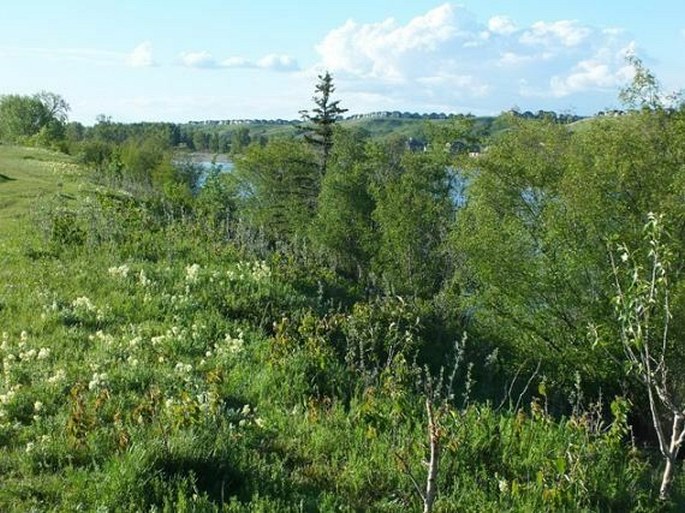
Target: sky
[[153, 60]]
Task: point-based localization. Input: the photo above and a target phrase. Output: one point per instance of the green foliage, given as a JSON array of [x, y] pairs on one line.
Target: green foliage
[[319, 131], [240, 140], [542, 203], [264, 342], [278, 188], [644, 90], [39, 118], [343, 227], [412, 192]]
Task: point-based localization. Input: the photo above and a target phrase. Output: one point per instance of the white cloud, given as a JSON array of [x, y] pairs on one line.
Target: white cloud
[[448, 57], [589, 74], [566, 32], [387, 50], [276, 62], [141, 56], [602, 72], [236, 62], [501, 25], [514, 59], [202, 59]]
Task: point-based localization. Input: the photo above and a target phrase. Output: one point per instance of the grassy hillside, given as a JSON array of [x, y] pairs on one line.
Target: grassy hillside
[[150, 364], [28, 176]]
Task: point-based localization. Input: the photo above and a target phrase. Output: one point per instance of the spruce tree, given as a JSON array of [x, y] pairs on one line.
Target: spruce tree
[[319, 123]]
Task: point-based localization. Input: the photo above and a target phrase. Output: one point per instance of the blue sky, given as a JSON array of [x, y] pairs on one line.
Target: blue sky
[[210, 59]]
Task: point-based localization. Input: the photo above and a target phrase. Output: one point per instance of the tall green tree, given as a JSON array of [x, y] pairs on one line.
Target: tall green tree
[[344, 228], [413, 212], [23, 117], [320, 121], [542, 203], [240, 140], [278, 187]]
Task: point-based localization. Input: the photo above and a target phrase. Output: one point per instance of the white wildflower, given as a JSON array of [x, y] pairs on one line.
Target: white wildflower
[[83, 303], [38, 406], [143, 280], [60, 375], [503, 486], [44, 353], [260, 270], [103, 337], [29, 447], [231, 345], [119, 272], [183, 368], [98, 380], [28, 355], [192, 272]]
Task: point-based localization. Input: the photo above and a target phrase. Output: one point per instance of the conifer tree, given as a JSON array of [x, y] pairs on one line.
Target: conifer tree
[[319, 123]]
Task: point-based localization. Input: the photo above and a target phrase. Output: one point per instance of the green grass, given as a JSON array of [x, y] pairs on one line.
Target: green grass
[[146, 367], [27, 177]]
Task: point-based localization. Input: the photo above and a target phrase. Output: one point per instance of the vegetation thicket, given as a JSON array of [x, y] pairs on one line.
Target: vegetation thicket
[[491, 321]]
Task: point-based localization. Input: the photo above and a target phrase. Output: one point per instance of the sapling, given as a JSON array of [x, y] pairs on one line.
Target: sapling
[[643, 311], [438, 398]]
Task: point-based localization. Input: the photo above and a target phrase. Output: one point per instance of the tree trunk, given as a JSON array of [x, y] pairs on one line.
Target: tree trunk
[[677, 434], [431, 480], [667, 478]]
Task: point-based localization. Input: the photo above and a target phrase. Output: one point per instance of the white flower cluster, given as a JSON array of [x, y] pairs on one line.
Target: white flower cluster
[[231, 345], [37, 409], [102, 337], [43, 441], [173, 333], [99, 380], [119, 272], [246, 416], [9, 395], [23, 354], [183, 368], [84, 306], [258, 271], [83, 303], [59, 376], [192, 272], [143, 280]]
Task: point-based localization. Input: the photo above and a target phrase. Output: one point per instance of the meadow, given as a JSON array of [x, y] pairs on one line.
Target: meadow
[[150, 365], [486, 319]]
